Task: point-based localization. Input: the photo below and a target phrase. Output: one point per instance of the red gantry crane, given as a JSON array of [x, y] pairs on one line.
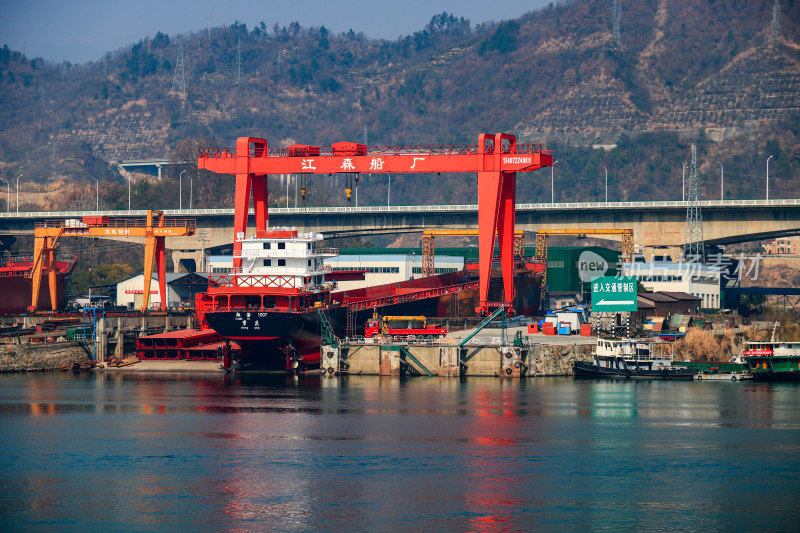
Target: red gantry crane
[[496, 159]]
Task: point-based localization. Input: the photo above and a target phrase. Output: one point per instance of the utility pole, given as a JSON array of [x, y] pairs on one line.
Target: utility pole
[[179, 77], [239, 62], [775, 27], [604, 168], [18, 177], [180, 190], [616, 14], [8, 196], [694, 247], [683, 182], [770, 157]]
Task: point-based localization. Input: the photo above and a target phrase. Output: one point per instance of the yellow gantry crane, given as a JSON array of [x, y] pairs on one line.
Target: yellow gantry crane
[[155, 228], [428, 244], [543, 234]]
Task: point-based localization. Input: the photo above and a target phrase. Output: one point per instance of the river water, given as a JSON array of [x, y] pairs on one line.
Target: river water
[[266, 452]]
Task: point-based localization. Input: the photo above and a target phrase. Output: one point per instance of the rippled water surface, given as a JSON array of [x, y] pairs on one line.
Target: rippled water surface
[[166, 452]]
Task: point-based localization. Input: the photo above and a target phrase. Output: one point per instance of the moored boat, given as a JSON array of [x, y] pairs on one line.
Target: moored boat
[[773, 360], [630, 359]]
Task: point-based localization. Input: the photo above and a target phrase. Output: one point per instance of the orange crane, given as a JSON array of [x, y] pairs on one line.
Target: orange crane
[[154, 229], [496, 159], [428, 244]]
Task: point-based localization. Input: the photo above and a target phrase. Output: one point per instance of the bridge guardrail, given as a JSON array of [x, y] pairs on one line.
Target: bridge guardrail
[[785, 202]]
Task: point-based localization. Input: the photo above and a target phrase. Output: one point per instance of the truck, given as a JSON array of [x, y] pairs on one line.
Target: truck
[[403, 328]]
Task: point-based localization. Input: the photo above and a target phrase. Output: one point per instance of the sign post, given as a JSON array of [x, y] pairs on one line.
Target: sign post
[[614, 294]]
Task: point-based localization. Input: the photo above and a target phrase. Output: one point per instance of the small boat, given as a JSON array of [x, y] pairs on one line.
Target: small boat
[[630, 359], [773, 360], [733, 370], [714, 375]]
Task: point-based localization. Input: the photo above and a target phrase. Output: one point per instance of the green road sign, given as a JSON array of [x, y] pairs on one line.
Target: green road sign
[[614, 294]]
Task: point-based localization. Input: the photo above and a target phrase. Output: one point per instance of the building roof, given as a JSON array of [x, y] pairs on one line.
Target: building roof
[[656, 297], [172, 277], [681, 295], [643, 303]]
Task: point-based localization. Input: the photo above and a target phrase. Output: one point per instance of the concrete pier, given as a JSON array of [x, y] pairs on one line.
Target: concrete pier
[[115, 335]]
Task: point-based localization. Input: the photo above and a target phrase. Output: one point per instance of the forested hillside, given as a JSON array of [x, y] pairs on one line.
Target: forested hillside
[[719, 74]]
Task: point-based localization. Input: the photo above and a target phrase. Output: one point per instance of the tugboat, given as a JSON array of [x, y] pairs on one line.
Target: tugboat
[[629, 359]]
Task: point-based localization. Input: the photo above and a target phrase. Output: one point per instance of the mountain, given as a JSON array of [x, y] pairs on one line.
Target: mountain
[[719, 74]]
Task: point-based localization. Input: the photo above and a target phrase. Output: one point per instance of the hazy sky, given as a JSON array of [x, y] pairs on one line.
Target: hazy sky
[[83, 30]]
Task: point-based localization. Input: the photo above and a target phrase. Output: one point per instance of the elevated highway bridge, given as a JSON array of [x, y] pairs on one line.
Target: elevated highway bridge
[[653, 223]]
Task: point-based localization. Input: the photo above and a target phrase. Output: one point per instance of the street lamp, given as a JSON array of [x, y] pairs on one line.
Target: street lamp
[[180, 190], [552, 183], [129, 193], [389, 191], [683, 182], [604, 168], [18, 177], [191, 186], [770, 157], [97, 193], [721, 182], [8, 195]]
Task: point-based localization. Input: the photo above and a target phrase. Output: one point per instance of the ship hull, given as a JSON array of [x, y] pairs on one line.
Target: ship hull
[[276, 339], [17, 292], [590, 370]]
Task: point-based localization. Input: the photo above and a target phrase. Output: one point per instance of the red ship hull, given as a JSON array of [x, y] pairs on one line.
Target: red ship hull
[[16, 287]]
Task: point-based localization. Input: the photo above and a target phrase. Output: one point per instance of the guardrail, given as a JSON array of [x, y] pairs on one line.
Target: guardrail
[[333, 210]]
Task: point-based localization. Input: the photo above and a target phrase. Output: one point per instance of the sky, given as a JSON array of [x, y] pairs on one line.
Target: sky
[[79, 31]]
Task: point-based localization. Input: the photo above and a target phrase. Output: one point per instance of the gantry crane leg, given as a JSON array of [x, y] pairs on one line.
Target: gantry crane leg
[[496, 215], [506, 219], [44, 251], [39, 246], [51, 277], [489, 186], [154, 254], [247, 183]]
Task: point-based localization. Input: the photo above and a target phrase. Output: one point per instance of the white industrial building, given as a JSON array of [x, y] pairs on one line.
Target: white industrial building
[[696, 279], [181, 289]]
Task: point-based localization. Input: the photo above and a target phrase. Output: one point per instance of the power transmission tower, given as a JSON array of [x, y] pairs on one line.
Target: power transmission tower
[[179, 78], [616, 15], [239, 62], [775, 28], [694, 248]]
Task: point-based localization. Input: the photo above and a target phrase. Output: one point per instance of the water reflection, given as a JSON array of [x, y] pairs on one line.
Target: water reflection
[[271, 451]]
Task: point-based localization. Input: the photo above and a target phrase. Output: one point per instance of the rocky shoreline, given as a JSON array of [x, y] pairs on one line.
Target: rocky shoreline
[[41, 357]]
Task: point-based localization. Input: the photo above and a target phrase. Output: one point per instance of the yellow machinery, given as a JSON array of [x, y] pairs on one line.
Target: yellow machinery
[[154, 229], [428, 245]]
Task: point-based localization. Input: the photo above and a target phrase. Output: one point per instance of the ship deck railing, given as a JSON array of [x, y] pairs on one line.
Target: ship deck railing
[[270, 253]]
